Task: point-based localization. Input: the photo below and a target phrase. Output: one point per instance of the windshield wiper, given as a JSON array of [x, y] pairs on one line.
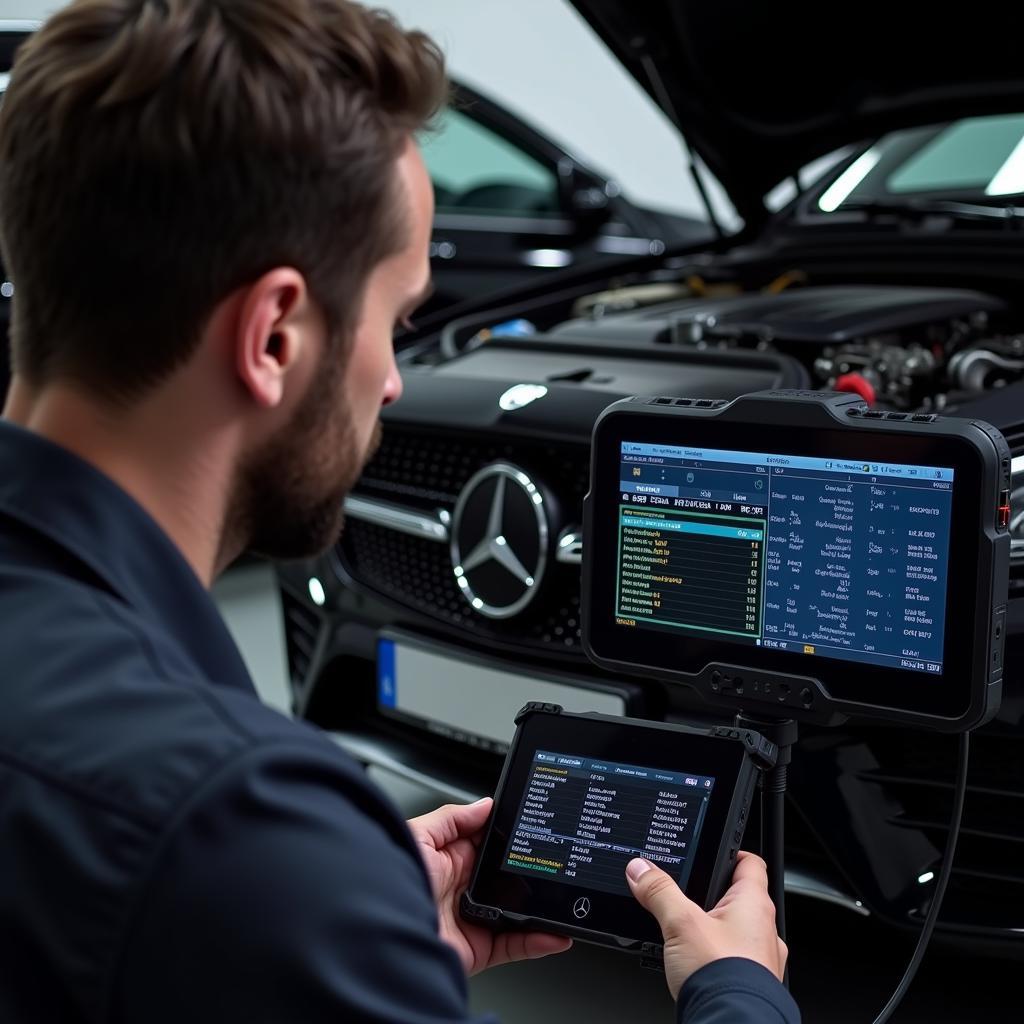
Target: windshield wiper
[[919, 209]]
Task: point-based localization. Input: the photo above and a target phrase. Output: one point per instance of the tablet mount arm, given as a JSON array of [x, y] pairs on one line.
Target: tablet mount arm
[[783, 733]]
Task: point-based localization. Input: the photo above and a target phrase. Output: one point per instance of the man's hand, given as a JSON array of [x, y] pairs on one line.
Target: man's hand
[[448, 839], [741, 924]]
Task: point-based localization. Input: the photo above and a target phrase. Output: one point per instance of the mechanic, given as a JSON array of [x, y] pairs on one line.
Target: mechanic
[[215, 214]]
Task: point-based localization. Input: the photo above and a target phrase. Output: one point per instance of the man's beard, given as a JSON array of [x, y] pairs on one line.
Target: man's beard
[[289, 496]]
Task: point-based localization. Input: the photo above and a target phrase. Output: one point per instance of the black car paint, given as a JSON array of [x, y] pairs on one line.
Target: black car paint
[[474, 253]]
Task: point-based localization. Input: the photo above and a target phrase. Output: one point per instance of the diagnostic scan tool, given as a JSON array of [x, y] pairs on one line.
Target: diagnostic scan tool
[[798, 555], [790, 555], [583, 794]]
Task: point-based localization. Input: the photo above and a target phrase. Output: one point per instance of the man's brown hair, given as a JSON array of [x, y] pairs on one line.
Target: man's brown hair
[[155, 155]]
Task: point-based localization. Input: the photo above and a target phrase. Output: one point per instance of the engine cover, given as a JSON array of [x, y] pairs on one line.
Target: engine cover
[[810, 316], [570, 385]]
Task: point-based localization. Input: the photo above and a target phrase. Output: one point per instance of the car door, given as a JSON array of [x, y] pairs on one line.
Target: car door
[[511, 206]]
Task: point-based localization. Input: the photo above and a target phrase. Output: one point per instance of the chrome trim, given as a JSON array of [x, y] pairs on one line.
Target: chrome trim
[[493, 546], [1016, 514], [799, 883], [630, 246], [552, 259], [569, 550], [369, 751], [395, 517], [446, 219]]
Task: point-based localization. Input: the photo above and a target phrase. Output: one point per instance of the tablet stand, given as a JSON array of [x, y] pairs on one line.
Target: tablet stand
[[783, 733]]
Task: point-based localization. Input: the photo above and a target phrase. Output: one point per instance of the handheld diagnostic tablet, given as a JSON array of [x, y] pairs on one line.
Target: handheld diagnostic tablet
[[583, 794]]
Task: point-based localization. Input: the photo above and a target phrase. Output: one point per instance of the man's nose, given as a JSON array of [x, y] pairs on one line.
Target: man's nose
[[392, 386]]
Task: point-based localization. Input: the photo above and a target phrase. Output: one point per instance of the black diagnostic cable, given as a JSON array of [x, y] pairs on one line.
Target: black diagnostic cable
[[773, 794], [940, 886]]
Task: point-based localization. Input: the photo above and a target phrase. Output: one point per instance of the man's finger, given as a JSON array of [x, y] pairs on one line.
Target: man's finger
[[510, 947], [452, 821], [538, 944], [658, 893], [750, 868]]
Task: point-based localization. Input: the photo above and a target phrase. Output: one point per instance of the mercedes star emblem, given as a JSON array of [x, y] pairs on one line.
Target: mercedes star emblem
[[581, 907], [499, 544], [520, 396]]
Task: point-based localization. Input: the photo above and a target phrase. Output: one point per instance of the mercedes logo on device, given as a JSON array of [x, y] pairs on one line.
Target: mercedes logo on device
[[499, 543], [581, 907]]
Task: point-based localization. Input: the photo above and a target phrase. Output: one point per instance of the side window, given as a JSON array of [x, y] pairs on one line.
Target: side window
[[475, 170]]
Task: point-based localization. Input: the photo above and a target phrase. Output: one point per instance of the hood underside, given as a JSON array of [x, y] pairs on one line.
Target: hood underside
[[759, 90]]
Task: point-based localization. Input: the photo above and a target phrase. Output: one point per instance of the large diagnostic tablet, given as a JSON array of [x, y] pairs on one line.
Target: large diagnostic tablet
[[797, 554], [582, 795]]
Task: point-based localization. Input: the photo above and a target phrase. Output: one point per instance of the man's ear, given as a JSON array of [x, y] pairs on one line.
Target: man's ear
[[271, 333]]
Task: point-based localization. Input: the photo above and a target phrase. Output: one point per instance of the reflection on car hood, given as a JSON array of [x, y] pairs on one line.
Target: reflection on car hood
[[759, 90]]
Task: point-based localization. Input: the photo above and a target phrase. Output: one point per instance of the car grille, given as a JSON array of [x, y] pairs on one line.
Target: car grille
[[425, 472], [1015, 439], [918, 772], [302, 628]]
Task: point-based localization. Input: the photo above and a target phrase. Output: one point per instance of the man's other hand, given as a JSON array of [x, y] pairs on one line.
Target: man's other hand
[[741, 924], [448, 839]]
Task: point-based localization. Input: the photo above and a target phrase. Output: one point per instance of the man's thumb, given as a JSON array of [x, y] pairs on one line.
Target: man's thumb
[[658, 893]]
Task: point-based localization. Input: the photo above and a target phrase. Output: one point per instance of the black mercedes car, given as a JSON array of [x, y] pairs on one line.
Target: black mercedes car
[[897, 276]]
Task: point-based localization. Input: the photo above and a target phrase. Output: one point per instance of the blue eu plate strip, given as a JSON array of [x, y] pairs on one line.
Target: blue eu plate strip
[[387, 681]]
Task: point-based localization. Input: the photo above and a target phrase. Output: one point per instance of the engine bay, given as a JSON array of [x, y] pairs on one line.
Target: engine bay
[[906, 348]]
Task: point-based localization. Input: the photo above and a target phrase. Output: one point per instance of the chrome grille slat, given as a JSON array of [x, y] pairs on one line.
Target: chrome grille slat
[[432, 527]]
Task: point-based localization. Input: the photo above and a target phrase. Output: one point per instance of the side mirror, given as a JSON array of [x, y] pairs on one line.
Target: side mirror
[[586, 198]]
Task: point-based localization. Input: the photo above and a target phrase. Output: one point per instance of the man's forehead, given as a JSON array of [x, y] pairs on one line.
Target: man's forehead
[[414, 179]]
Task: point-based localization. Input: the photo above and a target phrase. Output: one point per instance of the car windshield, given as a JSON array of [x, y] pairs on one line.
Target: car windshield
[[977, 160]]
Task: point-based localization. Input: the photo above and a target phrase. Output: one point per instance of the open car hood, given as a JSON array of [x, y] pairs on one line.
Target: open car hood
[[759, 90]]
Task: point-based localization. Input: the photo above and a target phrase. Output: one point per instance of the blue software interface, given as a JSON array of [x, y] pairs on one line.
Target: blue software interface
[[817, 556], [582, 819]]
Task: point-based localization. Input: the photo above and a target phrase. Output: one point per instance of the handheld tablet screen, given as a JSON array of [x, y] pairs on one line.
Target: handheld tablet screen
[[581, 820], [583, 794]]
